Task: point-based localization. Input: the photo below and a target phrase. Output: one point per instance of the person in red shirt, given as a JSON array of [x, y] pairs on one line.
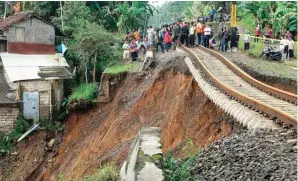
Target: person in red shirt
[[269, 32], [167, 39], [257, 33]]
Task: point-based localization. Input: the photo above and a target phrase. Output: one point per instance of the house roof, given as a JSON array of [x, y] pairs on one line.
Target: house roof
[[5, 90], [5, 24], [29, 67]]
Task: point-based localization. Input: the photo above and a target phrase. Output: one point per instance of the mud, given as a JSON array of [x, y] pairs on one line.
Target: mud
[[166, 97]]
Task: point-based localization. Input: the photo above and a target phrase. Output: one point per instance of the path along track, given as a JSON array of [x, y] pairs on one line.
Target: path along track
[[277, 104]]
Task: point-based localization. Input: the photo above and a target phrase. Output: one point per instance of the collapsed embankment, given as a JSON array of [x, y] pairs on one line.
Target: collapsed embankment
[[167, 97]]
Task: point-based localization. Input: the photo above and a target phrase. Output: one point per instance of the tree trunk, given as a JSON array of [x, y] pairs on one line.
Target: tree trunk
[[94, 67], [86, 71], [61, 10]]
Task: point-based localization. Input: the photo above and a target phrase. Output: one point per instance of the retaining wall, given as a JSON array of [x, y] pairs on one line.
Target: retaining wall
[[144, 160]]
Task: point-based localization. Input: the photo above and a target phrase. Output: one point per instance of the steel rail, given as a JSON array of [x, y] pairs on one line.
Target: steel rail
[[265, 108], [290, 97]]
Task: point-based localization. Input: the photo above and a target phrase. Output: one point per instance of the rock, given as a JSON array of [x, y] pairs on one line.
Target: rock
[[292, 142], [250, 155], [14, 153], [51, 143]]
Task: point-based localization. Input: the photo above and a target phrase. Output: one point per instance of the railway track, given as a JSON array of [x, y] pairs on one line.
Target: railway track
[[278, 105]]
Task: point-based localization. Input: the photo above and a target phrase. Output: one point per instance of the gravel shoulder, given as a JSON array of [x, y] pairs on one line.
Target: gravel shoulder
[[287, 69], [249, 155]]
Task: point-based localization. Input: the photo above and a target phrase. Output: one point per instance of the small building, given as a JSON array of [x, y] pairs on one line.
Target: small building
[[32, 69]]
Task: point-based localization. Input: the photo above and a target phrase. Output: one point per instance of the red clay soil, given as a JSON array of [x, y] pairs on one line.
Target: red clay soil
[[169, 99]]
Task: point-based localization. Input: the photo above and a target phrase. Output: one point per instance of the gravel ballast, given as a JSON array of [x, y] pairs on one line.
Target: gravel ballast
[[250, 156]]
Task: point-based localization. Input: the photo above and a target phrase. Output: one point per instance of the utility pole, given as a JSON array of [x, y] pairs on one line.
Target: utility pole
[[61, 16], [5, 9]]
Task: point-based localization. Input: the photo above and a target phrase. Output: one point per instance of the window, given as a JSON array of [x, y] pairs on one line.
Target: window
[[20, 34]]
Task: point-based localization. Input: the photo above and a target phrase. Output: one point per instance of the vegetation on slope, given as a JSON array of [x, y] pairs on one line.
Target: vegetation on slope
[[106, 173], [84, 92]]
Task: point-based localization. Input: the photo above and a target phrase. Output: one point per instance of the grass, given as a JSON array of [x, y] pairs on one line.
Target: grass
[[107, 173], [255, 49], [85, 92], [179, 170], [7, 141], [120, 67]]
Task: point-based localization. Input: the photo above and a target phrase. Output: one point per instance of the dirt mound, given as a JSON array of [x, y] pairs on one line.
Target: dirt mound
[[167, 97]]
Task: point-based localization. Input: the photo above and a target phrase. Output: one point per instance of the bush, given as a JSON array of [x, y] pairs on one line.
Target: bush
[[85, 92], [179, 170], [7, 141], [107, 173]]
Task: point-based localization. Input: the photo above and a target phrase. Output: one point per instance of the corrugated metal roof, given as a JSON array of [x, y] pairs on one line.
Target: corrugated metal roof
[[20, 60], [26, 67]]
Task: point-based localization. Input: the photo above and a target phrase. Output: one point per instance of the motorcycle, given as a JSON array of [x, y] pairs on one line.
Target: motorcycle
[[270, 54], [201, 19], [225, 17]]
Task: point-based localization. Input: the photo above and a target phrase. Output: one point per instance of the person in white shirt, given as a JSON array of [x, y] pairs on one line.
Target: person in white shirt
[[207, 33], [291, 48], [126, 51], [150, 35], [282, 44], [191, 35], [246, 40]]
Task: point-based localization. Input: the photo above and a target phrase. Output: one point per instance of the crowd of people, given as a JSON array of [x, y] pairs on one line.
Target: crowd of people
[[169, 36]]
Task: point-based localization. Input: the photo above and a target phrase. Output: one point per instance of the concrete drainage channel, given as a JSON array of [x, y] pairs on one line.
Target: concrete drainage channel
[[144, 160]]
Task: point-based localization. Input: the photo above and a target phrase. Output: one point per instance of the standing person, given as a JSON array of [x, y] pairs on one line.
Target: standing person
[[246, 40], [269, 32], [160, 42], [286, 45], [238, 37], [167, 39], [137, 36], [224, 39], [176, 34], [141, 33], [192, 35], [199, 32], [202, 34], [233, 38], [126, 48], [133, 50], [282, 44], [291, 48], [257, 33], [150, 34], [207, 33], [184, 34], [179, 32]]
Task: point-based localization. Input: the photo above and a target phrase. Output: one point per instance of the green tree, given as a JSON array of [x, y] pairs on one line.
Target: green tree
[[92, 43], [76, 15]]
